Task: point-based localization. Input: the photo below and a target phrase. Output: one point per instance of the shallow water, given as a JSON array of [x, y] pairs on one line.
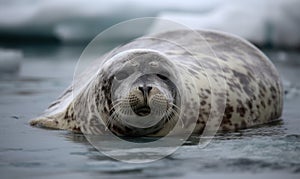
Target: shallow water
[[27, 152]]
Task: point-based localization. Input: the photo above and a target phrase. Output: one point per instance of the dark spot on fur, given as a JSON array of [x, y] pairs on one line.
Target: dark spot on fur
[[208, 91], [236, 126], [192, 72], [263, 104], [262, 86], [249, 103], [269, 101], [250, 75], [105, 109], [239, 102], [67, 113], [273, 89], [225, 128], [241, 110], [261, 93], [244, 79], [243, 124], [227, 114], [72, 116], [232, 84], [97, 100], [273, 96], [76, 129]]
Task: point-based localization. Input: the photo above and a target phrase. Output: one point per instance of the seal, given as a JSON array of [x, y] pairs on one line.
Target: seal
[[137, 89]]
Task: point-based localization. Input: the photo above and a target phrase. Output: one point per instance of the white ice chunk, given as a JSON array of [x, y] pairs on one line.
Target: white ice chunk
[[10, 61], [274, 22]]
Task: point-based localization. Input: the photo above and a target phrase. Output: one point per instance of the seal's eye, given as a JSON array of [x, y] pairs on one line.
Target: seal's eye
[[162, 77], [122, 75]]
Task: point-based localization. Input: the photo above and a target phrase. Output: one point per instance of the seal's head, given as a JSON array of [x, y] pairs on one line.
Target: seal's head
[[142, 95]]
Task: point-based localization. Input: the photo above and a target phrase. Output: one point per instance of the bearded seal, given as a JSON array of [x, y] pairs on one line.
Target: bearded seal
[[138, 89]]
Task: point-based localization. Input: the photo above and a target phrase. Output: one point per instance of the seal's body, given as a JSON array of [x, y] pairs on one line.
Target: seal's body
[[140, 87]]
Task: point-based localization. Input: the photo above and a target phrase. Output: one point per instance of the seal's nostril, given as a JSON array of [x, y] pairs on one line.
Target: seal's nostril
[[148, 88], [141, 88], [145, 89]]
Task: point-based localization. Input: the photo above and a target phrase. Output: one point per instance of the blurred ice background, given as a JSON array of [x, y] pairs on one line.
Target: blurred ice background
[[264, 22]]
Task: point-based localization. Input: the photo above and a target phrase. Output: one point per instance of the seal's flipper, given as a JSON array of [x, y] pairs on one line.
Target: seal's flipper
[[45, 123], [57, 121]]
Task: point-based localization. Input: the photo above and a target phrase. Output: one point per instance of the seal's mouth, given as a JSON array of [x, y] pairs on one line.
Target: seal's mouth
[[142, 111]]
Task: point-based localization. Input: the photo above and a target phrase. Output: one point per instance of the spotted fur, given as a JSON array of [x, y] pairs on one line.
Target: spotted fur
[[253, 94]]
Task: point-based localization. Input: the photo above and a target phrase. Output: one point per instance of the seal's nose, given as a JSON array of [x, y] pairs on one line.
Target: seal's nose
[[145, 89]]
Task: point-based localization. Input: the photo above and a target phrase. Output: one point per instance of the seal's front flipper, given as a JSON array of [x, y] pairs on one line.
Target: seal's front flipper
[[45, 123], [55, 122]]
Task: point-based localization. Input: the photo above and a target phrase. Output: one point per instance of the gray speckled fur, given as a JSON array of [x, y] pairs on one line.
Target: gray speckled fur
[[254, 90]]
